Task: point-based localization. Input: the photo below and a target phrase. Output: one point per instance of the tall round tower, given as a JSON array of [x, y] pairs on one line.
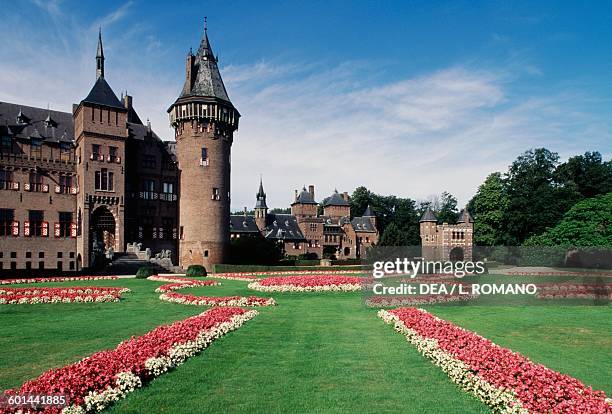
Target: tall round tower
[[204, 121]]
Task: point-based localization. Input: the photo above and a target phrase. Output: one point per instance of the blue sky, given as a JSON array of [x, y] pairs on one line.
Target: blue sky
[[410, 98]]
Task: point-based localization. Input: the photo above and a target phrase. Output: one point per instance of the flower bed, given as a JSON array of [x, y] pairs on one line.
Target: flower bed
[[328, 283], [416, 300], [107, 376], [55, 279], [235, 276], [12, 296], [559, 273], [504, 380], [217, 301], [271, 273], [179, 283], [575, 291]]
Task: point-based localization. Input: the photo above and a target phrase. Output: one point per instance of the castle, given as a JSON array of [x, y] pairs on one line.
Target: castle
[[306, 233], [446, 241]]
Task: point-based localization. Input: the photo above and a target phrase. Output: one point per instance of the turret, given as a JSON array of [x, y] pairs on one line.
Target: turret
[[261, 208], [204, 120], [428, 227]]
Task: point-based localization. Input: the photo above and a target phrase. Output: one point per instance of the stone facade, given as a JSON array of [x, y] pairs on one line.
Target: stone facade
[[77, 187], [447, 241], [305, 232]]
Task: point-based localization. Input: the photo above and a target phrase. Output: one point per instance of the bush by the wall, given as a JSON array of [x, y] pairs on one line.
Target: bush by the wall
[[196, 270], [144, 272]]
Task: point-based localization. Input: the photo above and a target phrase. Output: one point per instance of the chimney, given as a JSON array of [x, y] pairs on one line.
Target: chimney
[[245, 211], [311, 191], [127, 101], [345, 196], [189, 69], [296, 195]]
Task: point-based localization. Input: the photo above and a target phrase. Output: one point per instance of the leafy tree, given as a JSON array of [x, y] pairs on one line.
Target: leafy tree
[[392, 236], [588, 173], [586, 224], [488, 207], [535, 202], [280, 210], [447, 212], [359, 201]]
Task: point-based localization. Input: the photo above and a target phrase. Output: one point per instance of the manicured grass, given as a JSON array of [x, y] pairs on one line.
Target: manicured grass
[[311, 353]]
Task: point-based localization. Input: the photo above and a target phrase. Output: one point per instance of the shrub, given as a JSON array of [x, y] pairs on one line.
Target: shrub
[[196, 270], [144, 272]]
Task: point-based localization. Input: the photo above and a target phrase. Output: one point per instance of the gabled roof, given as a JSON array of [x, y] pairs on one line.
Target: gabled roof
[[304, 198], [102, 94], [465, 216], [428, 215], [335, 199], [363, 224], [283, 227], [243, 224], [207, 80]]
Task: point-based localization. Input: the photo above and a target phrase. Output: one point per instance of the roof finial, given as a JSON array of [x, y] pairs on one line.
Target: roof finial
[[205, 24], [100, 57]]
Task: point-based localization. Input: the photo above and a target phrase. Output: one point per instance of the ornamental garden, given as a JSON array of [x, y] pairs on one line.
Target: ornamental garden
[[299, 341]]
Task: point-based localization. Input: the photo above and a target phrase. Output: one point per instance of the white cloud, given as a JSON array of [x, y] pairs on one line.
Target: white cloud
[[335, 126]]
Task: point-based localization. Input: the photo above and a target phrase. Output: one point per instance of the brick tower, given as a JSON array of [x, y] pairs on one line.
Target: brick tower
[[204, 121], [100, 131]]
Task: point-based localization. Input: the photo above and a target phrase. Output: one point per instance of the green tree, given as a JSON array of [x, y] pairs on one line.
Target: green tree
[[586, 224], [588, 172], [447, 212], [535, 202], [359, 201], [392, 236], [488, 207]]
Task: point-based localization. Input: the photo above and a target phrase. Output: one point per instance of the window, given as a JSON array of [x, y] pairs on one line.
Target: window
[[36, 182], [313, 226], [215, 194], [36, 147], [104, 180], [65, 151], [41, 255], [168, 188], [13, 255], [7, 216], [36, 218], [6, 144], [6, 180], [149, 161], [112, 154], [148, 189], [96, 151], [65, 184], [65, 222], [59, 255], [204, 159], [28, 255], [168, 228]]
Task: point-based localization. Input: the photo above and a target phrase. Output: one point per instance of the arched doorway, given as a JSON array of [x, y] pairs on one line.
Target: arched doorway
[[347, 251], [102, 240], [456, 254]]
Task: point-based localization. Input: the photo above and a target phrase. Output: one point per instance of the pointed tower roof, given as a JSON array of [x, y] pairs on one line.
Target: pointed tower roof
[[465, 216], [102, 93], [428, 215], [100, 57], [304, 197], [206, 77], [261, 196], [100, 52], [368, 212], [335, 200]]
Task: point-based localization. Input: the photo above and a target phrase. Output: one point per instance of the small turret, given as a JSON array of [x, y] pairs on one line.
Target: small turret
[[261, 208]]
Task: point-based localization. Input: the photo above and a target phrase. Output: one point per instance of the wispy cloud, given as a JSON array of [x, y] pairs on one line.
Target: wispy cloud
[[335, 125]]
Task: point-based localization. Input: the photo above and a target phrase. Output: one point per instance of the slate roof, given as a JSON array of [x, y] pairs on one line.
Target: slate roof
[[40, 123], [368, 212], [283, 227], [428, 215], [102, 94], [243, 224], [304, 198], [335, 199], [363, 224], [207, 79], [465, 216]]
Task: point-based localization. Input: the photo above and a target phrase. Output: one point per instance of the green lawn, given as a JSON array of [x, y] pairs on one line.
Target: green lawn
[[311, 353]]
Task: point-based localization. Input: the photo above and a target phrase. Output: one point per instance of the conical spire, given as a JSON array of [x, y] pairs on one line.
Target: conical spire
[[261, 196], [100, 57], [429, 215], [465, 216], [205, 76], [368, 212]]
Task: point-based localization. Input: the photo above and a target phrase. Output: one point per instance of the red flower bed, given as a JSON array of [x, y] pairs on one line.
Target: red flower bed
[[55, 279], [308, 284], [10, 296], [106, 376], [575, 291], [537, 388], [217, 301], [179, 283]]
